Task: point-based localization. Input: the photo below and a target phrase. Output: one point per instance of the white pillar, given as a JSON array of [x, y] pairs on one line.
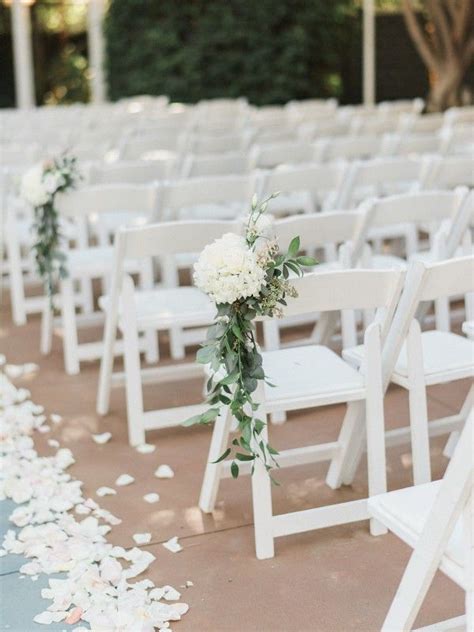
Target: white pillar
[[95, 37], [368, 39], [22, 54]]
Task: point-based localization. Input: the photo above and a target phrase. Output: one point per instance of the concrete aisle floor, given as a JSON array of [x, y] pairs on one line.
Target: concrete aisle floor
[[334, 580]]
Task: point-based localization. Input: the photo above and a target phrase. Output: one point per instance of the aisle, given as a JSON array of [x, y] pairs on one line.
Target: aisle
[[316, 581]]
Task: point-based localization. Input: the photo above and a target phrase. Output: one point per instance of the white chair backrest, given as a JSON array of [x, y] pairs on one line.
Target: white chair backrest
[[272, 155], [460, 115], [349, 147], [217, 144], [130, 198], [407, 144], [170, 238], [151, 146], [346, 290], [319, 180], [449, 172], [380, 176], [320, 229], [420, 124], [217, 190], [132, 172], [441, 280], [199, 166]]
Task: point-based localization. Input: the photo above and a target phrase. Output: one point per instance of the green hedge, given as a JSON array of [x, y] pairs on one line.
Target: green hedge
[[268, 50]]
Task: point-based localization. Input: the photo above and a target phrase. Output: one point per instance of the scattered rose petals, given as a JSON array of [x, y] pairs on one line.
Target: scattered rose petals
[[164, 471], [142, 538], [124, 479], [53, 443], [151, 498], [146, 448], [44, 429], [74, 616], [46, 617], [105, 491], [189, 583], [100, 439], [173, 545], [170, 593], [56, 419]]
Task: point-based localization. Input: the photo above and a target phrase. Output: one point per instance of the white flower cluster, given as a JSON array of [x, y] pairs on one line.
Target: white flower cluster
[[39, 185], [61, 531], [227, 270]]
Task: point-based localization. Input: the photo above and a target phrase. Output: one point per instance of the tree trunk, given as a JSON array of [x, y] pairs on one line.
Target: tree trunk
[[446, 88]]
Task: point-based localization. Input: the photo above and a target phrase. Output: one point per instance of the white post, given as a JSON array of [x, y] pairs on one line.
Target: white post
[[22, 54], [95, 37], [368, 76]]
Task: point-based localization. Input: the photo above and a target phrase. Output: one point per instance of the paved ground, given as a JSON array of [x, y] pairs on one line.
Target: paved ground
[[333, 580]]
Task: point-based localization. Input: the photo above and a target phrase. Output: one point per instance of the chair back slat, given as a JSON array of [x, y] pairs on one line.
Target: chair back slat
[[448, 278], [345, 289]]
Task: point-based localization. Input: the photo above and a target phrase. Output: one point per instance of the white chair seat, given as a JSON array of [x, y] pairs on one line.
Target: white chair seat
[[165, 307], [443, 353], [95, 261], [405, 512], [309, 373], [111, 222]]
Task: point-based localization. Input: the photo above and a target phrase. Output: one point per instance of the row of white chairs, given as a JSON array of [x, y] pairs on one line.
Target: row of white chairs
[[306, 189]]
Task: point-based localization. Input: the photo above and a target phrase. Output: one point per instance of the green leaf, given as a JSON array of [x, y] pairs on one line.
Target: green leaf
[[234, 469], [230, 379], [294, 247], [205, 354], [307, 261], [222, 456], [244, 457]]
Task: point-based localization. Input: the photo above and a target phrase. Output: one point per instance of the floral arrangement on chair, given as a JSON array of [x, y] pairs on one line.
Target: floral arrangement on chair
[[247, 277], [39, 187]]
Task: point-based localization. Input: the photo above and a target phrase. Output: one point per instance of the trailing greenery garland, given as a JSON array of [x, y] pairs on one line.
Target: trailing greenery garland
[[231, 350], [39, 187]]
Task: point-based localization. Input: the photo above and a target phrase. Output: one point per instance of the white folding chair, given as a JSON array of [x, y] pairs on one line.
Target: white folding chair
[[410, 144], [310, 376], [436, 520], [419, 360], [303, 188], [85, 263], [161, 308], [199, 144]]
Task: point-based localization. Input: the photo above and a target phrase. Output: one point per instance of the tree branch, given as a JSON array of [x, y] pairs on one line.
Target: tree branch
[[442, 26], [416, 33]]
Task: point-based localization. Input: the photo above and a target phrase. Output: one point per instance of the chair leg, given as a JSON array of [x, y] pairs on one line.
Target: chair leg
[[107, 361], [177, 349], [86, 295], [46, 328], [133, 384], [376, 461], [271, 336], [349, 436], [212, 473], [262, 508], [420, 442], [17, 288], [70, 342], [152, 354]]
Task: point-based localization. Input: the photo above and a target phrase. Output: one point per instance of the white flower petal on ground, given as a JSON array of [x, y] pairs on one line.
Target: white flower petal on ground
[[124, 479], [47, 618], [173, 545], [151, 498], [145, 448], [105, 491], [94, 586], [170, 593], [189, 583], [53, 443], [100, 439], [142, 538], [164, 471], [55, 418], [13, 371], [44, 428]]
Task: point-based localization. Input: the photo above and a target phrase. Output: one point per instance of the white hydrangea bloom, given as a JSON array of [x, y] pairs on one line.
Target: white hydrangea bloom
[[52, 181], [33, 189], [228, 271]]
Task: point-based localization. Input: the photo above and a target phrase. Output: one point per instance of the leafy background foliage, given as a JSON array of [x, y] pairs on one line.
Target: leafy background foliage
[[192, 49]]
